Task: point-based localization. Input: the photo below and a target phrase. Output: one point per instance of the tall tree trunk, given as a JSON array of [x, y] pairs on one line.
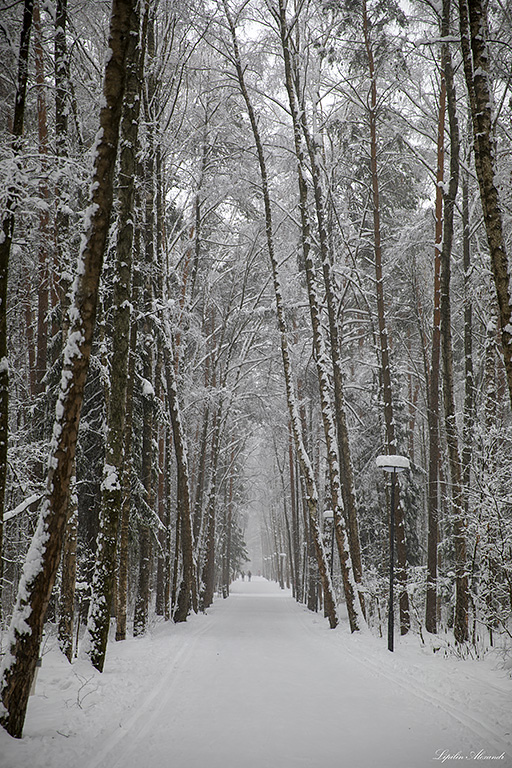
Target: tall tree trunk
[[62, 232], [44, 553], [162, 507], [459, 521], [296, 547], [208, 569], [68, 581], [44, 213], [320, 354], [187, 595], [69, 566], [473, 32], [122, 577], [305, 464], [140, 615], [389, 420], [112, 486], [6, 238], [469, 379], [167, 553], [343, 468], [433, 378]]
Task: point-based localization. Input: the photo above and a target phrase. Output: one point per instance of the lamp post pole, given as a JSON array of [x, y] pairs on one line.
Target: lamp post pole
[[392, 463], [391, 612]]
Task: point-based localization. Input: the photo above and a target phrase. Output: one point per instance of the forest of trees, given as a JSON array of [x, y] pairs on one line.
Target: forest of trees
[[247, 247]]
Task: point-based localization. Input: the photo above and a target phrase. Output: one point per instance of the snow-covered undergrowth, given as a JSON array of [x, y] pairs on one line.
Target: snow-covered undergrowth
[[260, 681]]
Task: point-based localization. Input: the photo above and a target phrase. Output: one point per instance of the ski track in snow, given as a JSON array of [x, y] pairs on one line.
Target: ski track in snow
[[135, 728], [260, 682], [476, 723]]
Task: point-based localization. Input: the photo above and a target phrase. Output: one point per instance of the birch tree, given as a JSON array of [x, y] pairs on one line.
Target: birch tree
[[306, 468]]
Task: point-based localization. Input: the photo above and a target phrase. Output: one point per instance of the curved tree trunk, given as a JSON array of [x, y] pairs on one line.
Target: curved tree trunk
[[304, 462], [320, 355]]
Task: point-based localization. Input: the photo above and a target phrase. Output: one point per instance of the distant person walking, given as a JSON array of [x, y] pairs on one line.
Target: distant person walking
[[249, 574]]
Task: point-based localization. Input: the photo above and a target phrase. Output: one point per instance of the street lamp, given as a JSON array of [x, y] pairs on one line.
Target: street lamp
[[392, 463]]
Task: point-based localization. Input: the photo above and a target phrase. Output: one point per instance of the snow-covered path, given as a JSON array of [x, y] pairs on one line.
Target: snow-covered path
[[261, 683]]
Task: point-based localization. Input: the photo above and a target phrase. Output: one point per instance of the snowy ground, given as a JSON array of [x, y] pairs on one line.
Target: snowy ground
[[262, 683]]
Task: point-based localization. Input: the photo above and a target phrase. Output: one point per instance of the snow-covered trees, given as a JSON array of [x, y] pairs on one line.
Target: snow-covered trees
[[279, 292], [43, 558]]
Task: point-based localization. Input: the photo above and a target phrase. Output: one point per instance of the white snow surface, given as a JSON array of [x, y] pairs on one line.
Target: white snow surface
[[260, 682]]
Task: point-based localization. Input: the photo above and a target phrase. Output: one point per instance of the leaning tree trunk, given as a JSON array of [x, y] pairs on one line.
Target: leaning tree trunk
[[187, 594], [45, 550], [305, 464], [344, 468], [112, 487], [389, 420], [475, 53], [320, 354], [459, 522], [68, 581], [6, 237]]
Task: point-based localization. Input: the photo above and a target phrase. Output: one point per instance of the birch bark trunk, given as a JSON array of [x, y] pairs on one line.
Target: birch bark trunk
[[342, 539], [311, 495]]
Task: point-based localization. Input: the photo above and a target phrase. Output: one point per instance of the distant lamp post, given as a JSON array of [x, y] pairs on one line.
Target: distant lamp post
[[392, 463], [329, 517]]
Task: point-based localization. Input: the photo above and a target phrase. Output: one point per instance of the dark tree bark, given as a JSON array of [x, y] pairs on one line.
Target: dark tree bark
[[459, 522], [44, 554], [387, 394], [68, 582], [6, 237], [473, 32], [187, 594], [112, 486], [44, 214], [140, 614], [433, 378]]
